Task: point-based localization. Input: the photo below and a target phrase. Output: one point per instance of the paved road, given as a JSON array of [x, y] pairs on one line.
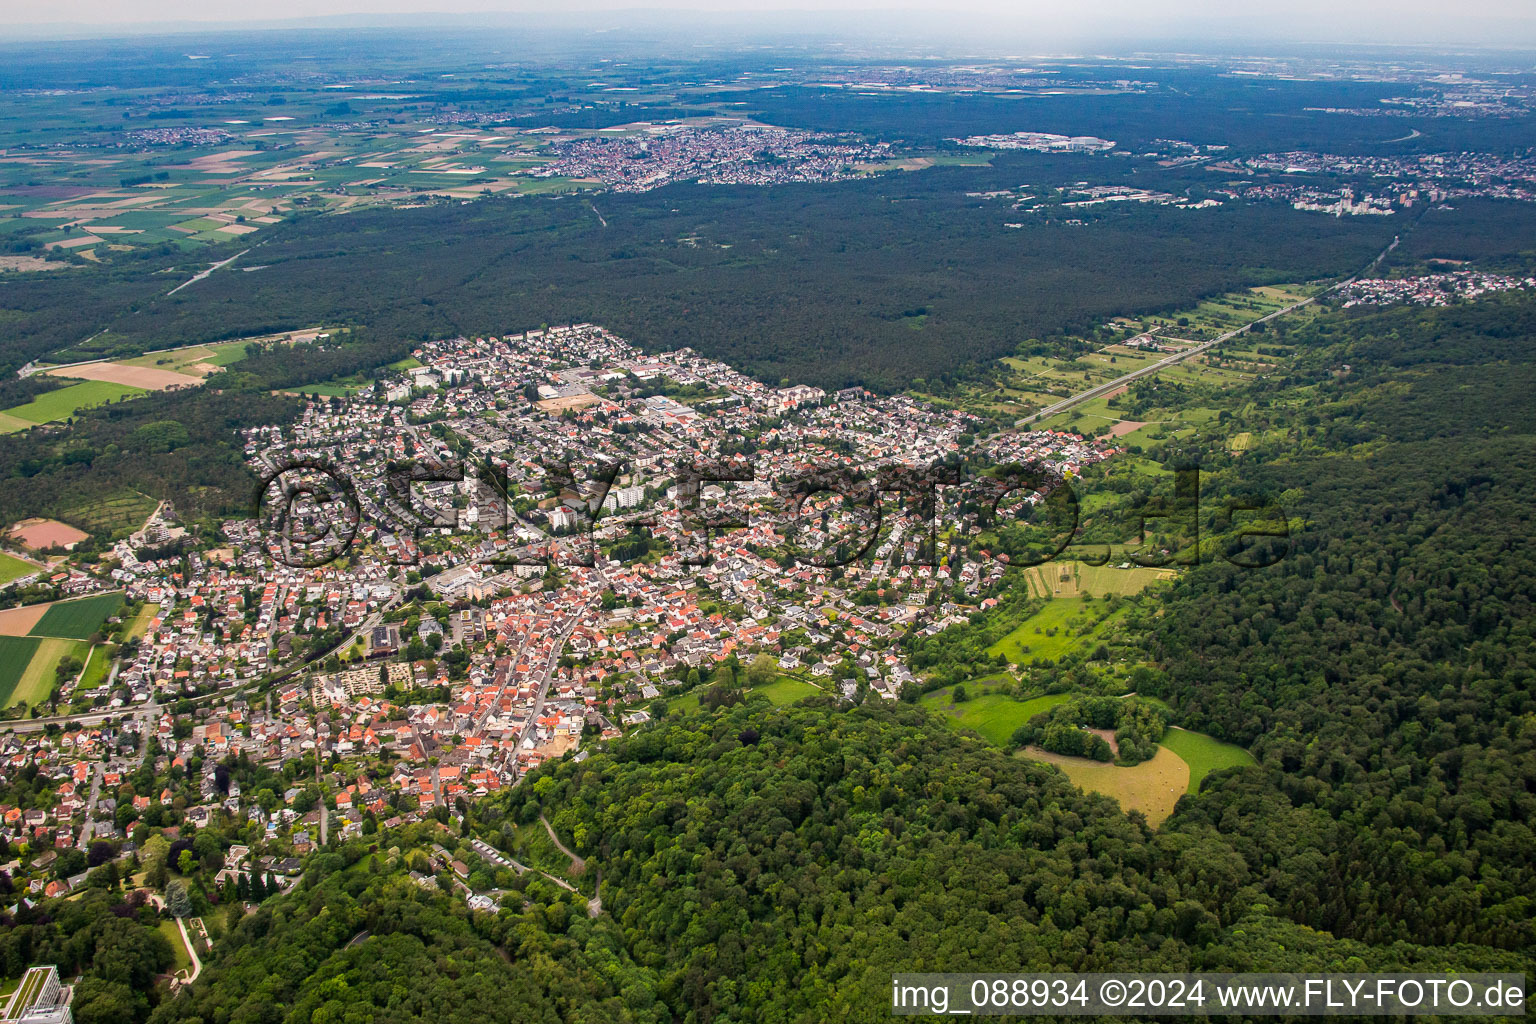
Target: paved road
[[490, 708], [577, 864], [1100, 390], [197, 965], [89, 828], [199, 277], [549, 673], [325, 818]]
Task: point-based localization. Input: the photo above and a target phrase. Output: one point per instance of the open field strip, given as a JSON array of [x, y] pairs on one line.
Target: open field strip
[[57, 405], [1152, 787]]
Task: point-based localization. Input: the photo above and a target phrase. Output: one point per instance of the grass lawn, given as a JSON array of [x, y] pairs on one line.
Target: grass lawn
[[1204, 754], [326, 390], [178, 360], [30, 985], [688, 702], [226, 353], [16, 654], [787, 690], [1152, 787], [14, 568], [65, 402], [995, 716], [172, 935], [140, 622], [175, 360], [783, 690], [98, 665], [77, 619], [1070, 579], [531, 845]]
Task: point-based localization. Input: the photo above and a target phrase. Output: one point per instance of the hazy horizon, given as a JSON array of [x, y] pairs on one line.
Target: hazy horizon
[[1492, 24]]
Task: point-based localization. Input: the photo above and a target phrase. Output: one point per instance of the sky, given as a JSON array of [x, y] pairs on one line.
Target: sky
[[1499, 23]]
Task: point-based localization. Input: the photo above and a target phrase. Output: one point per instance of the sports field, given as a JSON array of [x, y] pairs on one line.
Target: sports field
[[77, 619], [41, 534], [12, 568]]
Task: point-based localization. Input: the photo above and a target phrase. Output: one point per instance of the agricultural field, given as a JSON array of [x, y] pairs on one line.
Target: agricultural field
[[16, 653], [156, 371], [1152, 787], [63, 403], [10, 424], [1204, 754], [1035, 381], [120, 513], [1063, 624], [148, 378], [37, 680], [42, 534], [1071, 579], [995, 716], [236, 184], [1221, 314], [193, 360], [77, 619]]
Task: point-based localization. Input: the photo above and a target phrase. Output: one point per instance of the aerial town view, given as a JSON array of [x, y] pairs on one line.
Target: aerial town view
[[699, 515]]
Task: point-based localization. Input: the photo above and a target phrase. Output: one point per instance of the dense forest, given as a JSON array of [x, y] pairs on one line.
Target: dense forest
[[763, 864], [179, 446], [359, 932], [1254, 116], [806, 283], [1384, 670], [1070, 729], [111, 940]]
